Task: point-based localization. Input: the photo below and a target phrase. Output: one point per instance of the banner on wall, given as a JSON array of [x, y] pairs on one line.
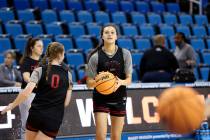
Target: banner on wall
[[79, 118]]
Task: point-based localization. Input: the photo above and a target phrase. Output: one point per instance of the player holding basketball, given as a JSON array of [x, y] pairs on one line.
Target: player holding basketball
[[28, 62], [47, 109], [112, 58]]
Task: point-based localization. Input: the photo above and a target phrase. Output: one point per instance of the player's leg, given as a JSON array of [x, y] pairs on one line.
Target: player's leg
[[101, 125], [42, 136], [117, 124], [30, 135]]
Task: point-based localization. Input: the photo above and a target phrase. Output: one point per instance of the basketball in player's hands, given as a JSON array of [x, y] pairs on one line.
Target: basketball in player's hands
[[105, 83]]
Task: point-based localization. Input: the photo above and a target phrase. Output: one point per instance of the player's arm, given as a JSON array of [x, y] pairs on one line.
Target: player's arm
[[68, 97], [22, 96], [26, 76], [92, 71], [69, 91]]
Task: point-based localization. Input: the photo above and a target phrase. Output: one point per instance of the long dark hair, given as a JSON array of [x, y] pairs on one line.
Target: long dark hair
[[99, 46], [183, 36], [52, 52], [28, 49]]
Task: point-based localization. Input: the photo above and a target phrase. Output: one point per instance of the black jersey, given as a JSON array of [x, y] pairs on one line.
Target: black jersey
[[28, 65], [51, 92], [115, 65]]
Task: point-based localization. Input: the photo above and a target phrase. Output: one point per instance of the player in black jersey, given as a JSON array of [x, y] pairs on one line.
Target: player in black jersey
[[28, 62], [110, 57], [54, 87]]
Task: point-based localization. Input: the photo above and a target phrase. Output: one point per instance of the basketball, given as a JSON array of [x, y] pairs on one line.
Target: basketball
[[105, 83], [181, 109]]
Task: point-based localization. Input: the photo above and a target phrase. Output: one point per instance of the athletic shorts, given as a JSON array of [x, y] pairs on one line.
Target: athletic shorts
[[114, 108], [48, 126]]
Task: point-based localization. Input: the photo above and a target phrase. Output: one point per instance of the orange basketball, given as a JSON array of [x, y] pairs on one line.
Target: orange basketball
[[181, 109], [105, 83]]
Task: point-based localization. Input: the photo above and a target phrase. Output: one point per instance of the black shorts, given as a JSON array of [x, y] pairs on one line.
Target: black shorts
[[46, 125], [114, 108]]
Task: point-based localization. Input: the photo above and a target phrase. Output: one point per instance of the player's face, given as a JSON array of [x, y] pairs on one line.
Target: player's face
[[109, 35], [38, 48]]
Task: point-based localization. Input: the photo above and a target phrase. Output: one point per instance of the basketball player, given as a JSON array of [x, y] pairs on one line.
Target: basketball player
[[112, 58], [28, 63], [47, 109]]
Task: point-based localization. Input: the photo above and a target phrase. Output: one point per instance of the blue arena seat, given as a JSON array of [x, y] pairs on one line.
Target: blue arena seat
[[93, 29], [135, 77], [206, 57], [173, 7], [201, 20], [136, 58], [5, 43], [57, 4], [185, 19], [41, 4], [76, 29], [91, 5], [21, 4], [142, 43], [129, 29], [142, 6], [119, 17], [49, 16], [75, 58], [55, 28], [126, 6], [66, 40], [84, 16], [34, 27], [170, 18], [102, 17], [20, 42], [157, 7], [125, 42], [204, 73], [111, 6], [154, 19], [14, 27], [74, 5], [7, 14], [147, 30], [26, 15], [84, 42], [67, 16], [197, 43], [199, 31], [167, 30], [138, 18]]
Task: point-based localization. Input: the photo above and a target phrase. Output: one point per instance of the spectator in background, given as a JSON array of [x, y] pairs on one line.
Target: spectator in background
[[184, 53], [158, 64], [9, 74]]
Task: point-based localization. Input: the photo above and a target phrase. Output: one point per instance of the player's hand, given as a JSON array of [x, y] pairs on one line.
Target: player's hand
[[118, 83], [8, 108]]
